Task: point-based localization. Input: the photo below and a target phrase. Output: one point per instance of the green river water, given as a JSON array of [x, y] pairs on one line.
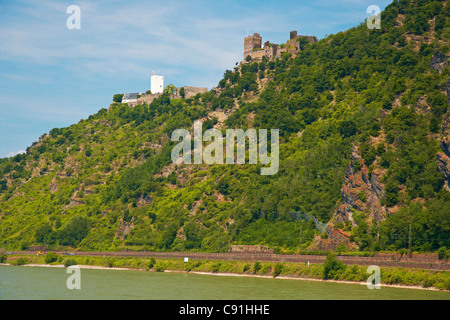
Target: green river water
[[44, 283]]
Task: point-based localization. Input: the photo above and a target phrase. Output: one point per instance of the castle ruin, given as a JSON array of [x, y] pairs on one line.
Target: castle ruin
[[253, 46]]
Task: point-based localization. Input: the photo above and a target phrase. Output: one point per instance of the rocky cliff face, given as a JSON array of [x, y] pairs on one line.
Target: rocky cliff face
[[438, 61], [123, 229], [443, 158], [443, 164], [360, 192]]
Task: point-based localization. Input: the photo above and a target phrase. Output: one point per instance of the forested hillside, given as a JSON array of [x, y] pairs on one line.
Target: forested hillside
[[364, 126]]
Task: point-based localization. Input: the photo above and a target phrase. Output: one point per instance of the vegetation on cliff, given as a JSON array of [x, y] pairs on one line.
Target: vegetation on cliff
[[108, 183]]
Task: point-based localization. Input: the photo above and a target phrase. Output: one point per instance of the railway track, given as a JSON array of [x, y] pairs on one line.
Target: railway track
[[381, 261]]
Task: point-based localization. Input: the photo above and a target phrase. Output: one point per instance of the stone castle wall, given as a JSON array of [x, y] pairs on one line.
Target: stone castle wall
[[252, 42], [272, 51], [189, 92]]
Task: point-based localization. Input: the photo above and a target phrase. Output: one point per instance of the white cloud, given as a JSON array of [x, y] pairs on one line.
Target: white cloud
[[12, 154], [51, 74], [114, 41]]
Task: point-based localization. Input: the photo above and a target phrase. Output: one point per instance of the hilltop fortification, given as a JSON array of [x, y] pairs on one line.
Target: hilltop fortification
[[253, 49]]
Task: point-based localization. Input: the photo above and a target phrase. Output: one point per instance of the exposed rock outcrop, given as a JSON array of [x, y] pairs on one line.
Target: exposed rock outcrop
[[124, 229], [361, 192], [443, 165], [335, 239], [443, 158], [438, 61]]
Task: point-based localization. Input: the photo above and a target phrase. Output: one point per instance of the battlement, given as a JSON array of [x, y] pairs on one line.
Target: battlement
[[253, 48]]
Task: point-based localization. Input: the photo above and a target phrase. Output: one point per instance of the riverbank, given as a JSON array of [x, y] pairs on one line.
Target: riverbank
[[389, 276]]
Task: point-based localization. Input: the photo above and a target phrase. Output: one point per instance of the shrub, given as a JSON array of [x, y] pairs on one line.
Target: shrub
[[266, 268], [110, 263], [152, 263], [160, 267], [256, 267], [21, 261], [3, 258], [70, 262], [332, 266], [362, 196], [50, 257], [277, 269], [442, 253], [216, 266]]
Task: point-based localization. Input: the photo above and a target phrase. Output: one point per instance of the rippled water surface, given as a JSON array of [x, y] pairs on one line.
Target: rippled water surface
[[46, 283]]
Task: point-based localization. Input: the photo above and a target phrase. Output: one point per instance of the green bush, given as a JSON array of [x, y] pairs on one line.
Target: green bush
[[110, 263], [442, 253], [70, 262], [3, 258], [277, 269], [256, 267], [332, 266], [21, 261], [160, 266], [266, 268], [51, 257], [152, 263], [216, 266]]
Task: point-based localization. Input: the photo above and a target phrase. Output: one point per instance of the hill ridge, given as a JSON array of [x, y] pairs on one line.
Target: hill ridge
[[361, 116]]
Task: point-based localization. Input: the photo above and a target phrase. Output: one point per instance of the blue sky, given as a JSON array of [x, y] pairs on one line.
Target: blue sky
[[51, 76]]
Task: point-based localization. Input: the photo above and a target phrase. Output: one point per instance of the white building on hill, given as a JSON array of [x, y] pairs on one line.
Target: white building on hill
[[130, 97], [157, 85]]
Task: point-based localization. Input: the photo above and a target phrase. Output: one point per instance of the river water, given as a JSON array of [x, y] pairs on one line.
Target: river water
[[45, 283]]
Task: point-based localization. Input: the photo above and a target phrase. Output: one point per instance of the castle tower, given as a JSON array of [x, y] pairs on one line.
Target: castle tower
[[157, 85], [252, 42], [293, 35]]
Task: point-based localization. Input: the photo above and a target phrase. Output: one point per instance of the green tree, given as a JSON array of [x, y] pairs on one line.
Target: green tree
[[391, 196], [118, 97], [74, 232], [44, 234], [331, 266], [347, 128], [3, 185], [170, 89]]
